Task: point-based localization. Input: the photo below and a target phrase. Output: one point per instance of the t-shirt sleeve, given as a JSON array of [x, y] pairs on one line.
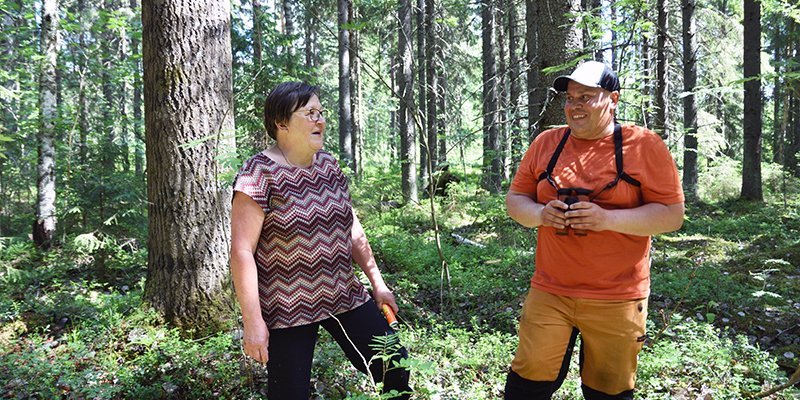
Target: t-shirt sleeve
[[252, 181], [662, 183], [525, 180]]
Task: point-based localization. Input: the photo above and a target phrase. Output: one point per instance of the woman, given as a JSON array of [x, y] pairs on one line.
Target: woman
[[293, 236]]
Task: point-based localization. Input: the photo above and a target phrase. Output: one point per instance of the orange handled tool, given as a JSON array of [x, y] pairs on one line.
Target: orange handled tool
[[390, 318]]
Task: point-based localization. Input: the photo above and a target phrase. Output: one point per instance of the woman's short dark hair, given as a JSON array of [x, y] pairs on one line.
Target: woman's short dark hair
[[283, 100]]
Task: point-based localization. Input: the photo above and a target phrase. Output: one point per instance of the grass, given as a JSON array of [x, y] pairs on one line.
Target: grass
[[723, 315]]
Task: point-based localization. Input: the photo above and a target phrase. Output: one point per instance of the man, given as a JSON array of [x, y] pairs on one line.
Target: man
[[595, 215]]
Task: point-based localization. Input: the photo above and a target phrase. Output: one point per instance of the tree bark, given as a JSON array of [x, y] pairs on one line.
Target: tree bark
[[514, 85], [556, 47], [536, 96], [752, 124], [405, 80], [492, 165], [432, 94], [44, 227], [501, 87], [422, 91], [689, 100], [662, 97], [138, 155], [188, 97], [345, 102], [355, 94]]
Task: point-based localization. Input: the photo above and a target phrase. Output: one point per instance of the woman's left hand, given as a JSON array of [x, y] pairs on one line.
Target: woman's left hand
[[385, 296]]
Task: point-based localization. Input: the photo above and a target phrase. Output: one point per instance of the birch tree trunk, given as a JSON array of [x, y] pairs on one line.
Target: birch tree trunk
[[188, 117], [44, 227]]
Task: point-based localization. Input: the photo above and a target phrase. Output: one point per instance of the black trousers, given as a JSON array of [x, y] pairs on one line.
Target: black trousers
[[291, 351]]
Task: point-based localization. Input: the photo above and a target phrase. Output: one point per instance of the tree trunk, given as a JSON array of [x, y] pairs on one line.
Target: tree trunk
[[432, 85], [662, 97], [422, 90], [258, 36], [689, 101], [188, 98], [345, 102], [752, 124], [492, 166], [355, 94], [501, 80], [556, 47], [44, 227], [288, 31], [108, 148], [83, 82], [515, 124], [790, 161], [122, 93], [779, 93], [405, 80], [536, 96], [138, 155]]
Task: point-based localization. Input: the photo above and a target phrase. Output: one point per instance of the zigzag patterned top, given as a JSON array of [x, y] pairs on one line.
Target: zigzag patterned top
[[304, 253]]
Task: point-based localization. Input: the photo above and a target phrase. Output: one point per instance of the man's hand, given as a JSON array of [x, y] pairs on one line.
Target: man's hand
[[553, 214], [587, 216]]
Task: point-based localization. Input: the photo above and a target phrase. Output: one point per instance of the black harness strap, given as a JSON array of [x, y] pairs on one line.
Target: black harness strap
[[547, 174]]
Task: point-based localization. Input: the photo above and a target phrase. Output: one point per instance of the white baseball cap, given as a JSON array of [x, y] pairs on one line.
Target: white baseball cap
[[592, 74]]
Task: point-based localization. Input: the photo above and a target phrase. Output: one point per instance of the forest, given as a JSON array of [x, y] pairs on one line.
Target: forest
[[122, 124]]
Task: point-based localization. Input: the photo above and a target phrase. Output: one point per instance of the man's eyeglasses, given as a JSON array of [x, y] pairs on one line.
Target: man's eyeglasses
[[313, 114]]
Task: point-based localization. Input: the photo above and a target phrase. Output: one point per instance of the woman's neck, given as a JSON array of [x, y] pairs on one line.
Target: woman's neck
[[294, 157]]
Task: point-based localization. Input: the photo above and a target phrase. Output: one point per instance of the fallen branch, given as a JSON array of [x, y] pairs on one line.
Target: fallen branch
[[795, 378]]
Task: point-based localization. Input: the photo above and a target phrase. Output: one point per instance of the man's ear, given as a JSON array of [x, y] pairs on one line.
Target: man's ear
[[615, 98]]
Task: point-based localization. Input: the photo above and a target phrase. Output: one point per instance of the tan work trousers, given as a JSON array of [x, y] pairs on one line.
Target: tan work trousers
[[612, 334]]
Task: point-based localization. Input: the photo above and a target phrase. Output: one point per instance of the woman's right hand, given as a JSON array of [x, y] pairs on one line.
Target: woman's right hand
[[256, 341]]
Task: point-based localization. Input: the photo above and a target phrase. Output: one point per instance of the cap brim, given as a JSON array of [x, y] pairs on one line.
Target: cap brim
[[561, 83]]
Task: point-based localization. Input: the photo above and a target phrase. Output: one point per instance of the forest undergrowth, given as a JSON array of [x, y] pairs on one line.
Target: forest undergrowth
[[724, 319]]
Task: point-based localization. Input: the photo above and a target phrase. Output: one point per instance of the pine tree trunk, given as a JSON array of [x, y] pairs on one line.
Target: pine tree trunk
[[405, 80], [44, 227], [432, 85], [536, 95], [138, 155], [515, 124], [778, 127], [345, 102], [662, 104], [188, 98], [689, 101], [492, 166], [122, 93], [752, 124], [422, 91], [501, 87], [288, 31]]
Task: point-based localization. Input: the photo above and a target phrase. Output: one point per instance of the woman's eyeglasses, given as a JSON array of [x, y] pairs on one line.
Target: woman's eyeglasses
[[313, 114]]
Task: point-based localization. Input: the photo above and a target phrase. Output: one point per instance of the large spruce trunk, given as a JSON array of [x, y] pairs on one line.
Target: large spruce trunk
[[188, 116], [752, 124]]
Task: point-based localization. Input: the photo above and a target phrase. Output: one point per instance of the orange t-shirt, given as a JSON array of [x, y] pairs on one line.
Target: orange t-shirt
[[604, 264]]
